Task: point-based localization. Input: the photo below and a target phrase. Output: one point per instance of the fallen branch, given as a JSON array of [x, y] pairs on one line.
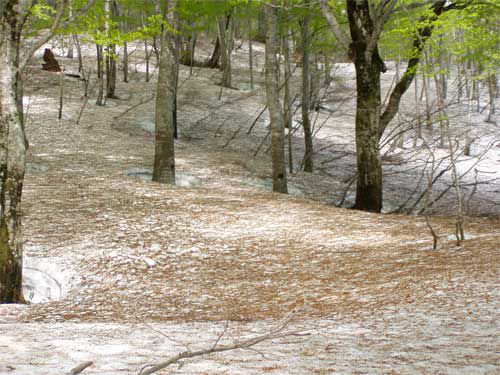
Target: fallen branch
[[80, 368], [215, 348]]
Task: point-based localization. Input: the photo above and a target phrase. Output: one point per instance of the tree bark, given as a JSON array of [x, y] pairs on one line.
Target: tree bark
[[100, 74], [164, 160], [306, 93], [368, 108], [287, 98], [12, 158], [213, 62], [275, 111], [225, 35]]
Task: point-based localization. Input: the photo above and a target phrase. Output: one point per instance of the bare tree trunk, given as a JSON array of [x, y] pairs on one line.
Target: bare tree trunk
[[306, 93], [164, 160], [315, 85], [100, 74], [287, 99], [12, 157], [460, 222], [417, 111], [443, 118], [250, 50], [226, 45], [110, 10], [428, 105], [492, 92], [78, 52], [213, 62], [275, 113], [61, 93], [125, 62], [148, 57]]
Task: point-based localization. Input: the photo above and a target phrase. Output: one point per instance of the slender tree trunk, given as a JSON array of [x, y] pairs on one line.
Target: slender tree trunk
[[315, 85], [71, 37], [100, 74], [250, 50], [110, 11], [164, 160], [148, 57], [306, 94], [12, 157], [428, 105], [111, 72], [61, 94], [275, 112], [124, 27], [125, 62], [287, 99], [493, 92], [417, 111], [78, 52]]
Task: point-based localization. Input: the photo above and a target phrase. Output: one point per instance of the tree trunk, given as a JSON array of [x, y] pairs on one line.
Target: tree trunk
[[213, 62], [110, 11], [306, 94], [12, 159], [125, 62], [275, 112], [493, 92], [368, 110], [261, 27], [164, 160], [100, 78], [225, 33], [287, 98], [111, 72], [250, 49], [78, 52]]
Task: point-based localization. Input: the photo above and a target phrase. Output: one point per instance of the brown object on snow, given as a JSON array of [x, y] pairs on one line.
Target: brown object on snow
[[51, 63]]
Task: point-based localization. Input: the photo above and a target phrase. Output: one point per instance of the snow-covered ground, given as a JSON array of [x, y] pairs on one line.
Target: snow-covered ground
[[117, 251]]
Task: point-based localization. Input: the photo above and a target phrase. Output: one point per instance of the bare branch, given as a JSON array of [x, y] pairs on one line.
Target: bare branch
[[342, 38], [215, 348]]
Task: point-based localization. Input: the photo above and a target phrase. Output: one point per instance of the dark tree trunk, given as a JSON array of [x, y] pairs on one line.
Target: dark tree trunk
[[368, 69], [12, 157], [370, 121], [111, 72], [306, 94], [100, 74], [213, 62]]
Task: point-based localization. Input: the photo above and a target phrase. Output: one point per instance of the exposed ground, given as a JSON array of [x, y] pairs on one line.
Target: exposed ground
[[370, 291]]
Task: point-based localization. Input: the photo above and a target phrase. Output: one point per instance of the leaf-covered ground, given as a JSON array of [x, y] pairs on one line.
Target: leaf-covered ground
[[369, 288]]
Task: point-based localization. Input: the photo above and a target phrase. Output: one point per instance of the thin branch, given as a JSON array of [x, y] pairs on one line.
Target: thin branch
[[342, 38], [57, 24], [243, 344]]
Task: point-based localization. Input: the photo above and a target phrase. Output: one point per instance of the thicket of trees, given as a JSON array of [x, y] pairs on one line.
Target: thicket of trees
[[429, 41]]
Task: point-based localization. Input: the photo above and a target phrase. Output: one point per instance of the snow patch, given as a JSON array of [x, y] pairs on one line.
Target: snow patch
[[43, 280], [181, 179]]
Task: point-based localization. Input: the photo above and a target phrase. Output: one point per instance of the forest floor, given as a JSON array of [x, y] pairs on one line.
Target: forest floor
[[135, 270]]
